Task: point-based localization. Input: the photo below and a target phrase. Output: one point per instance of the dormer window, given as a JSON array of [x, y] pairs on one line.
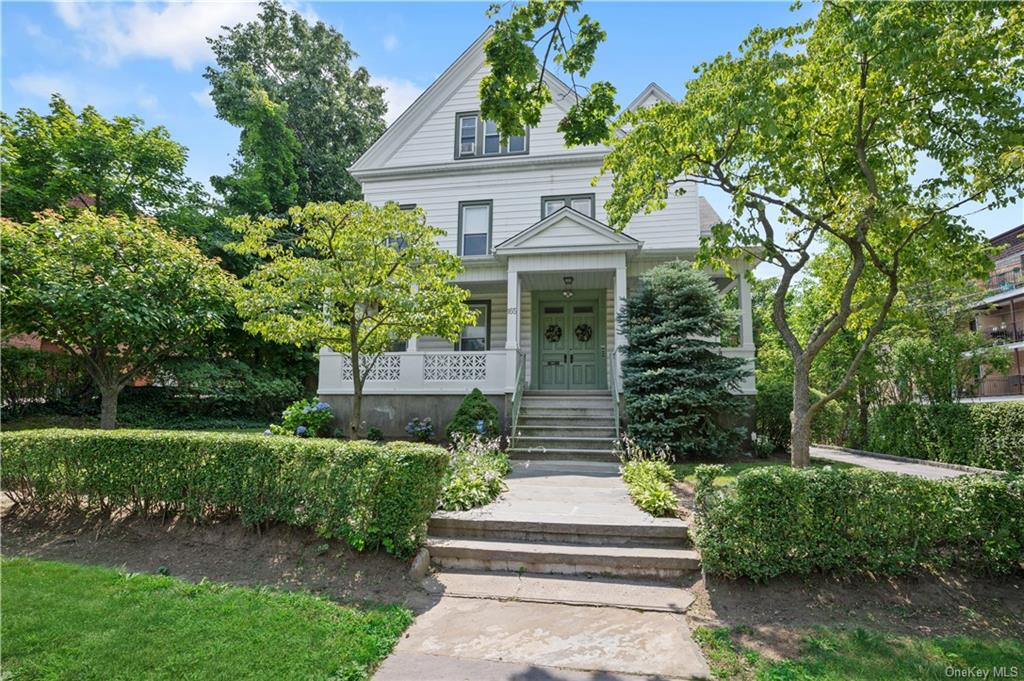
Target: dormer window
[[476, 137]]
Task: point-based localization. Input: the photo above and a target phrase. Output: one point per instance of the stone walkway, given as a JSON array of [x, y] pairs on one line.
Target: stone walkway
[[921, 470], [507, 626]]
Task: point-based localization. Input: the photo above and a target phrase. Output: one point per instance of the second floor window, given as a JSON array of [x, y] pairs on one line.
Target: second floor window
[[584, 203], [475, 227], [476, 137]]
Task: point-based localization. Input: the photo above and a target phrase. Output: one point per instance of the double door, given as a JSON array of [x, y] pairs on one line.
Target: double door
[[570, 347]]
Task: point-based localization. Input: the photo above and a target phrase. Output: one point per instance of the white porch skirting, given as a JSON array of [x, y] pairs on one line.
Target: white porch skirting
[[423, 373]]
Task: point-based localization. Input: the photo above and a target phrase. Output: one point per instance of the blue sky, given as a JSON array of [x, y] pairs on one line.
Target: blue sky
[[148, 59]]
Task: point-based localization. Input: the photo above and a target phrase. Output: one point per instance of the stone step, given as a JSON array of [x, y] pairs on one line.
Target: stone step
[[562, 454], [648, 595], [563, 394], [542, 419], [567, 430], [566, 412], [510, 556], [544, 443], [664, 533]]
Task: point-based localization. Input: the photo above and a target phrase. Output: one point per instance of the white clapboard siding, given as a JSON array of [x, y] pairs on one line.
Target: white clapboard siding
[[517, 193]]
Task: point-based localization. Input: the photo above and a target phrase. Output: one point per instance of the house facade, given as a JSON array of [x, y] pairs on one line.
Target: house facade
[[545, 273], [1000, 316]]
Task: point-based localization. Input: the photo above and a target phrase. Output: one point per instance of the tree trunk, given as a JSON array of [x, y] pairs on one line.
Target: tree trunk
[[356, 417], [863, 405], [800, 418], [108, 406]]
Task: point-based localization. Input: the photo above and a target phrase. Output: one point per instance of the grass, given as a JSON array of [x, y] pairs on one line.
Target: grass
[[63, 621], [685, 471], [861, 655]]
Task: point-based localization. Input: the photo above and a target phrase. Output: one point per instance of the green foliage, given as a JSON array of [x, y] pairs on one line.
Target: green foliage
[[650, 486], [476, 473], [513, 94], [676, 383], [305, 418], [29, 378], [475, 407], [987, 435], [117, 292], [306, 114], [311, 290], [225, 387], [97, 623], [778, 520], [374, 434], [119, 164], [774, 404], [421, 430], [365, 493]]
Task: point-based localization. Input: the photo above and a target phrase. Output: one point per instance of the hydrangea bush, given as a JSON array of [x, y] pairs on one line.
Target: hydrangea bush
[[305, 418], [421, 429], [476, 473]]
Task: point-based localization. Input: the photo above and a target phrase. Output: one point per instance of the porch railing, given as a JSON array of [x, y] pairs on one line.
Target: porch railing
[[613, 384], [425, 373], [517, 394]]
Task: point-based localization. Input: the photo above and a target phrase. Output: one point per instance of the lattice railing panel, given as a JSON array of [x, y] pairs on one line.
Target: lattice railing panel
[[386, 368], [460, 366]]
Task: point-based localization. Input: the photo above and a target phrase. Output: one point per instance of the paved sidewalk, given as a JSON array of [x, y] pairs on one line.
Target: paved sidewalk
[[921, 470]]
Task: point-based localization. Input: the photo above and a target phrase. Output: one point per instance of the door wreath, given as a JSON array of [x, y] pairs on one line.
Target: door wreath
[[583, 333], [553, 333]]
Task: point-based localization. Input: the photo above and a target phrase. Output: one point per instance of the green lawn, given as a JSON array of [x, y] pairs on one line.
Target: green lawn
[[862, 655], [64, 621], [685, 471]]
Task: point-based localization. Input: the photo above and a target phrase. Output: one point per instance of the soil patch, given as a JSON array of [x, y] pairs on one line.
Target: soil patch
[[223, 551]]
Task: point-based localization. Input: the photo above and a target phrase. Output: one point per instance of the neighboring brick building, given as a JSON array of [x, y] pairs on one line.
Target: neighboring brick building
[[1003, 317]]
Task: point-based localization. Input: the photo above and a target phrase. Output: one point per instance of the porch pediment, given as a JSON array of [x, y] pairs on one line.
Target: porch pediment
[[566, 230]]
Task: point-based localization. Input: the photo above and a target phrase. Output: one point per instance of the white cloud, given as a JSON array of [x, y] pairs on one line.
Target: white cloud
[[148, 102], [203, 99], [42, 85], [110, 32], [398, 94], [390, 42]]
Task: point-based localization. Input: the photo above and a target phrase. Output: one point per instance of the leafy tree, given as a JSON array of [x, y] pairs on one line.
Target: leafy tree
[[351, 276], [119, 164], [863, 130], [306, 115], [117, 292], [676, 383]]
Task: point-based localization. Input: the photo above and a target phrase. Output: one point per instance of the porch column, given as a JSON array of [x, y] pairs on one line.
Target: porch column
[[620, 303], [746, 314], [512, 329]]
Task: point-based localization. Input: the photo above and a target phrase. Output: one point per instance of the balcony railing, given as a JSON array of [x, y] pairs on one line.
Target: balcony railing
[[424, 373], [1000, 386], [1005, 281], [1001, 335]]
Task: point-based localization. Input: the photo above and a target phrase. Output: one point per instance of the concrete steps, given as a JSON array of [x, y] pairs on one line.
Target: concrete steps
[[565, 425], [584, 533], [569, 559]]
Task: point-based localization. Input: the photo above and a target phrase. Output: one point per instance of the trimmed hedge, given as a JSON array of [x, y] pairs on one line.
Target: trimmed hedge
[[988, 435], [368, 494], [777, 520]]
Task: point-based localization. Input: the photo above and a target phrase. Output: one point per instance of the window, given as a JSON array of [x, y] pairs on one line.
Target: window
[[475, 227], [475, 337], [476, 137], [398, 243], [467, 134], [583, 203]]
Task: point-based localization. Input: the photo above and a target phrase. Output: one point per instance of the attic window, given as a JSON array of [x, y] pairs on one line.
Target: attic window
[[583, 203], [476, 137]]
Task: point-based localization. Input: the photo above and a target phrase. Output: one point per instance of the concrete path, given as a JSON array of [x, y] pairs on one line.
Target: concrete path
[[565, 492], [506, 626], [921, 470]]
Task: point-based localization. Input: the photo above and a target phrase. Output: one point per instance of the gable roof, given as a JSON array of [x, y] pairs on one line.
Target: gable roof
[[653, 90], [709, 217], [566, 230], [439, 92]]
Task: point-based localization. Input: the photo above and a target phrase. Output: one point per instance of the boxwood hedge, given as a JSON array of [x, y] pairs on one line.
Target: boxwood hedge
[[368, 494], [777, 520], [988, 435]]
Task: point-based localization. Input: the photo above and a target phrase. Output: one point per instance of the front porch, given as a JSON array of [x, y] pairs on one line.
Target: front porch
[[546, 304]]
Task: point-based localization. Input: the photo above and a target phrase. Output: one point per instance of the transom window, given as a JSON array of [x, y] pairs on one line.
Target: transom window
[[476, 137], [475, 227], [475, 337], [584, 203]]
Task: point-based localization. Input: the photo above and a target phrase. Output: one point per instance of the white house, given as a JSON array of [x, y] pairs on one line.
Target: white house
[[546, 274]]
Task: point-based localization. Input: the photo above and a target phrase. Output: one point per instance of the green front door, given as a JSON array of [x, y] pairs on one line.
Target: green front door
[[569, 342]]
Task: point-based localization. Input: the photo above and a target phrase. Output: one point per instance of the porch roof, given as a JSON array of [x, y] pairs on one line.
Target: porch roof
[[567, 231]]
